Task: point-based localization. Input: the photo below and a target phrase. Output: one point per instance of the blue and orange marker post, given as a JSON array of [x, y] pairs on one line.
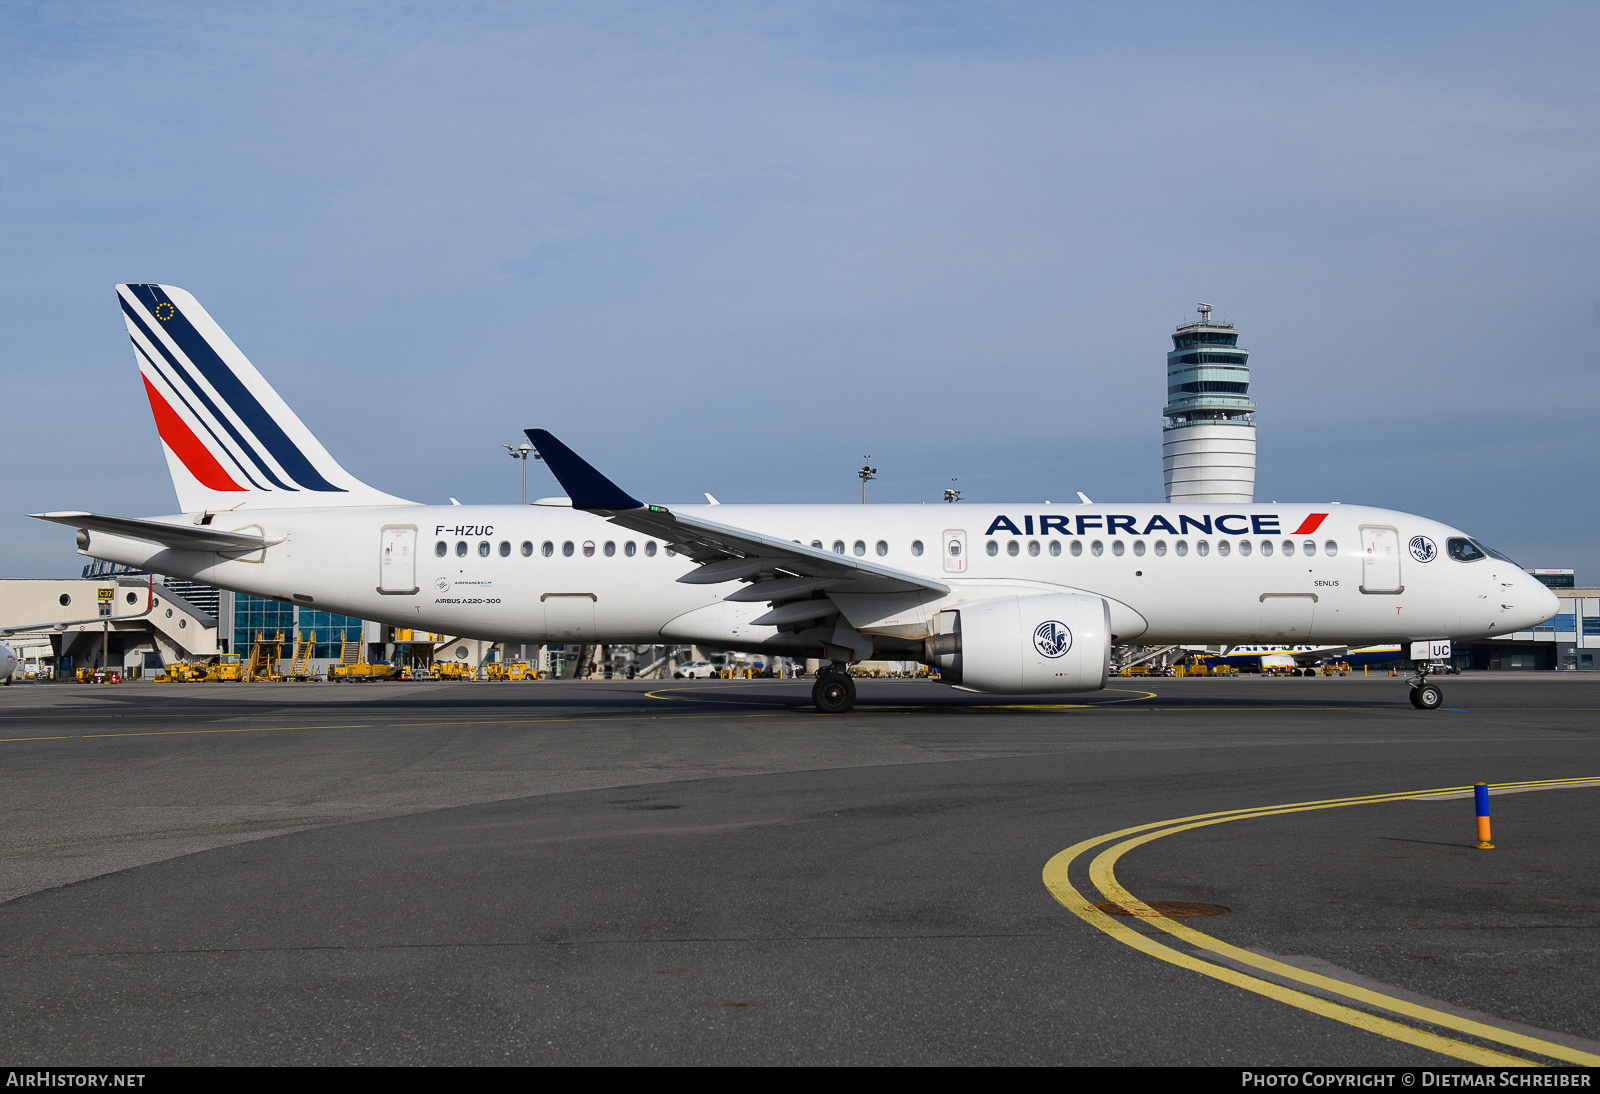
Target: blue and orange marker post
[[1480, 796]]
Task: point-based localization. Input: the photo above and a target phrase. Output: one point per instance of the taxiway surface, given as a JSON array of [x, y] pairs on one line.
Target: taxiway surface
[[711, 873]]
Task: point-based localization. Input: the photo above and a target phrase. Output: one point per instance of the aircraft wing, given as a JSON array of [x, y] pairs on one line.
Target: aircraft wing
[[1321, 653], [178, 537], [780, 570]]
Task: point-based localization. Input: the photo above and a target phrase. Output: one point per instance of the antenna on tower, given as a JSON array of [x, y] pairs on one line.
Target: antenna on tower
[[1205, 313]]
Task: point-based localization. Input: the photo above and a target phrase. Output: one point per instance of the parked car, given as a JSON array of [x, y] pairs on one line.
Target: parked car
[[696, 670]]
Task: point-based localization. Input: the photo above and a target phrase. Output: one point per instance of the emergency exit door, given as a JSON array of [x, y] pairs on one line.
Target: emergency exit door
[[397, 560], [955, 551], [1380, 560]]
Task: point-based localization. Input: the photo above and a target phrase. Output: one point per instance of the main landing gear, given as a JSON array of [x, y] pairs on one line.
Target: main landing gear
[[1425, 696], [834, 692]]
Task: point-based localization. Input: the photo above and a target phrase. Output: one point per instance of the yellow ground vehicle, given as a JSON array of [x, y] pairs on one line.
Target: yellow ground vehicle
[[183, 672], [353, 664], [512, 670]]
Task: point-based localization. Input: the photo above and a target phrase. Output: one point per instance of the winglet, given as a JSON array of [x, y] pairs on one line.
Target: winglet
[[587, 487]]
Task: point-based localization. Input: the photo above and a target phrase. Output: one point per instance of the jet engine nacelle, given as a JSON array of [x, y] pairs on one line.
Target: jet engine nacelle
[[1044, 642]]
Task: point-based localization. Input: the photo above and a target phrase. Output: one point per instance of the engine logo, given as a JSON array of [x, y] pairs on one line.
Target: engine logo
[[1422, 549], [1051, 638]]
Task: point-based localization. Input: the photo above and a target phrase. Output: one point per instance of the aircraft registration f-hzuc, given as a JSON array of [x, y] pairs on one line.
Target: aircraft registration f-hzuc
[[1008, 599]]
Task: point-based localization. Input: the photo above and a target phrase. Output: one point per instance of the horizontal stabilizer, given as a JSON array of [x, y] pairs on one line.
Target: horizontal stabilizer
[[177, 537]]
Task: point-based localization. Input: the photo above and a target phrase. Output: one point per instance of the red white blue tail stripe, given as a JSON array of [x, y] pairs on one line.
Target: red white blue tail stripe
[[231, 441]]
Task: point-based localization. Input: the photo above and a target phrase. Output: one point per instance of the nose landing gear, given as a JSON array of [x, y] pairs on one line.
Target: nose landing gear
[[1425, 696], [834, 692]]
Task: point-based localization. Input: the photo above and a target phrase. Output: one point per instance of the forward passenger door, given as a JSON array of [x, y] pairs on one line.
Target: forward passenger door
[[1380, 559]]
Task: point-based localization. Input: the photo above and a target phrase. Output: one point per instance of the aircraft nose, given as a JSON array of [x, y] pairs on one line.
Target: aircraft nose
[[1535, 602]]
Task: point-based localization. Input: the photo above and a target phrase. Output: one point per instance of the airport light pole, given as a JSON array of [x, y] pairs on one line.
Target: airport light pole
[[522, 452], [866, 475]]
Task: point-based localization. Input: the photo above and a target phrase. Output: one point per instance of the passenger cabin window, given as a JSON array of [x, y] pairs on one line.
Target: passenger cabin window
[[611, 548], [1330, 548], [1222, 547], [882, 547], [1266, 548], [650, 549], [1161, 547], [1244, 548], [916, 547], [1012, 548], [461, 548], [630, 548], [1464, 550], [483, 549], [1182, 547], [1202, 548], [527, 548], [588, 548], [1055, 548], [1309, 547], [441, 548], [567, 549], [992, 548], [1138, 547], [1077, 548], [1033, 547], [1288, 548], [1097, 548], [505, 549], [860, 548], [838, 546], [547, 549], [1117, 547]]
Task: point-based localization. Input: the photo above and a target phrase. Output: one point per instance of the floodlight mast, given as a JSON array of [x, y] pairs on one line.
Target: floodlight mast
[[866, 475], [522, 452]]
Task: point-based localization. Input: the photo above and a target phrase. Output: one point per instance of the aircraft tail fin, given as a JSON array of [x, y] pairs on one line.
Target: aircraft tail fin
[[230, 439]]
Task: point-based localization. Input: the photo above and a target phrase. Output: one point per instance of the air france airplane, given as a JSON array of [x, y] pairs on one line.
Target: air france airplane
[[1008, 599]]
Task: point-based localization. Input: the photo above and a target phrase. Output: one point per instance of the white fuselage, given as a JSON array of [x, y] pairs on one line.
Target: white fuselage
[[474, 576]]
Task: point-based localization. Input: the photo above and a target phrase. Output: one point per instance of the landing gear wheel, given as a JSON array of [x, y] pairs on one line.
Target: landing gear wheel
[[1426, 697], [833, 693]]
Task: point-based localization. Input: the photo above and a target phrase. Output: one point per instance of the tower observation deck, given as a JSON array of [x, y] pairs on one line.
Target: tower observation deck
[[1208, 443]]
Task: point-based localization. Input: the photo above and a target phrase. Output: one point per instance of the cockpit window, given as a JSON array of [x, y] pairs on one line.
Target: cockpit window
[[1464, 550]]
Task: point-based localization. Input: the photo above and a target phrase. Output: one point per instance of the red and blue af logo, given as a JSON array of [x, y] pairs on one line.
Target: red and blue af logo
[[1051, 638], [1423, 549]]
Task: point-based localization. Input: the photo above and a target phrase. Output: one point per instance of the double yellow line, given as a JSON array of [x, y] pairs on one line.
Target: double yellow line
[[1102, 875]]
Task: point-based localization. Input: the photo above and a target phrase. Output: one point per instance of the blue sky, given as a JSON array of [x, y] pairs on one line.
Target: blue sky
[[734, 247]]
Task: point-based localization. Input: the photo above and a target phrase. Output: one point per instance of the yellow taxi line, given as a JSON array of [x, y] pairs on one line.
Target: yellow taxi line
[[1102, 874]]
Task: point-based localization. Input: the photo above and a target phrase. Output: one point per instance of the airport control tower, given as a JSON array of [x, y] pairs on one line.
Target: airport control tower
[[1208, 444]]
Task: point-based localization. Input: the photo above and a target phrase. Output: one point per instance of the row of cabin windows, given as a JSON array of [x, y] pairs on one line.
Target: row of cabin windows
[[859, 548], [548, 548], [1181, 547]]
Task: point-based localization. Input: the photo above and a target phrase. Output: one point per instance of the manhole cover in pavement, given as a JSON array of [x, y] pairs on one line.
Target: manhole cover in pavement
[[1161, 909]]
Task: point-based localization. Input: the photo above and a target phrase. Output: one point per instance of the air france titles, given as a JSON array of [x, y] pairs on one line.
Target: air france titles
[[1111, 524]]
